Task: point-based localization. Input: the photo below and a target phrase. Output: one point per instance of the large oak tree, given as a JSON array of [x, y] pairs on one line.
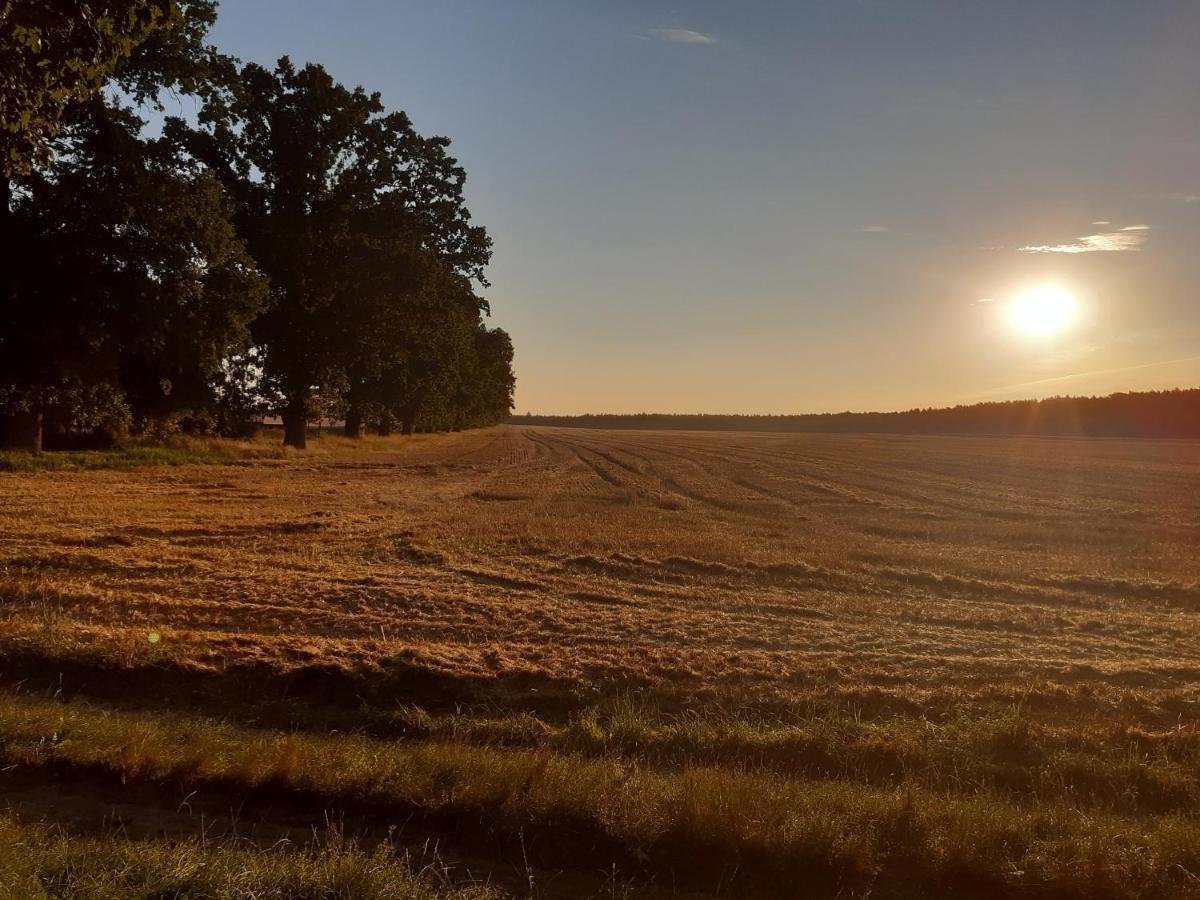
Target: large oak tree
[[125, 284], [137, 269], [343, 206], [128, 279]]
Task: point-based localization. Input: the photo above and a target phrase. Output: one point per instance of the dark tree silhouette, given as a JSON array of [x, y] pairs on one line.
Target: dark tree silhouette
[[296, 248], [127, 275], [125, 283], [308, 161], [1150, 414]]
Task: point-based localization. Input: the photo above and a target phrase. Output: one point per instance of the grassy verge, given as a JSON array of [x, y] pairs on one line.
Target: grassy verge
[[698, 825], [1108, 768], [124, 458], [183, 451], [42, 862], [1099, 761]]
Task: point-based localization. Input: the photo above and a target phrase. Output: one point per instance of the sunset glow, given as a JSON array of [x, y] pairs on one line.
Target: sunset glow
[[1043, 311]]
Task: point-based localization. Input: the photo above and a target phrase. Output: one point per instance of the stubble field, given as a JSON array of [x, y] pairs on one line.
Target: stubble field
[[560, 662]]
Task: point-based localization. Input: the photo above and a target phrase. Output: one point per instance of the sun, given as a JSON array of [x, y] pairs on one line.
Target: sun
[[1043, 311]]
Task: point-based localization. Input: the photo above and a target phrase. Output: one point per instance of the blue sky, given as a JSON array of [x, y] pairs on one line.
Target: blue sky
[[787, 207]]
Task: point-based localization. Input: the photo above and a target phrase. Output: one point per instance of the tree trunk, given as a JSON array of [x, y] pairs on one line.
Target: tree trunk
[[19, 430], [295, 424], [6, 198], [23, 430], [8, 240], [354, 423], [409, 411], [385, 426]]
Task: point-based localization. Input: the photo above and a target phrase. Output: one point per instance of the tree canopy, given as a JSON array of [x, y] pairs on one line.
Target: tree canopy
[[53, 59], [352, 215], [294, 248], [127, 274]]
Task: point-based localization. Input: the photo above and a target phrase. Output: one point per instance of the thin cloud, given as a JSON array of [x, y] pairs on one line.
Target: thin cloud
[[1184, 198], [1094, 372], [985, 300], [681, 36], [874, 229], [1102, 222], [1126, 239]]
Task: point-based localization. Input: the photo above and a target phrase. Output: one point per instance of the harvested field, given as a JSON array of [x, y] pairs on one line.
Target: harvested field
[[921, 636]]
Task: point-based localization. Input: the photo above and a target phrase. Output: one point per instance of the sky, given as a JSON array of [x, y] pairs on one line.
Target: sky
[[775, 206]]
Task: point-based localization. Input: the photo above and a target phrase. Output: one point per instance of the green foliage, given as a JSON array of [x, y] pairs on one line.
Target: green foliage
[[125, 458], [53, 59], [297, 249], [358, 221], [80, 405], [129, 275]]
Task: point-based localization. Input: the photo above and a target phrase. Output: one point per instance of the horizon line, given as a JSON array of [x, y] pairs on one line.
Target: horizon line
[[857, 412]]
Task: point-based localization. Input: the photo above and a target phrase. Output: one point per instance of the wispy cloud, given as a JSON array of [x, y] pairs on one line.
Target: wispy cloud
[[1102, 222], [1131, 237], [1184, 198], [1074, 375], [873, 229], [680, 36]]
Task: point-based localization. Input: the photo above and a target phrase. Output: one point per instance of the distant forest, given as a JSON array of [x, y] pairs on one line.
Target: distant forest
[[1150, 414], [291, 247]]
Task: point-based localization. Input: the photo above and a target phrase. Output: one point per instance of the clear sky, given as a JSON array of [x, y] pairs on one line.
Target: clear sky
[[786, 206]]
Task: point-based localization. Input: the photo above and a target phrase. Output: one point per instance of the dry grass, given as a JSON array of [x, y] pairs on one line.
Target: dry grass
[[1003, 623], [699, 825], [43, 862], [182, 450]]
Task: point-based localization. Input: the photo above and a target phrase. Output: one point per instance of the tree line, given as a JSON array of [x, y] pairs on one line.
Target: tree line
[[1148, 414], [291, 248]]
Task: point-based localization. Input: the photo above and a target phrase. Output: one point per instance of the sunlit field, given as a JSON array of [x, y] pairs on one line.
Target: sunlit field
[[571, 663]]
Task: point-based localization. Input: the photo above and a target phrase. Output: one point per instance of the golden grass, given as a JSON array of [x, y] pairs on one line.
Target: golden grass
[[43, 862], [183, 450], [924, 569], [993, 623], [698, 822]]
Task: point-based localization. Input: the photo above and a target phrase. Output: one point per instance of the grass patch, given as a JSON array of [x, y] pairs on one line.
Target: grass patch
[[43, 862], [699, 825], [687, 655], [126, 458], [187, 451], [1098, 763]]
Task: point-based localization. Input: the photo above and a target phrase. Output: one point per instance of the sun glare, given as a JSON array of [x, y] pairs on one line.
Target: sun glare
[[1043, 311]]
